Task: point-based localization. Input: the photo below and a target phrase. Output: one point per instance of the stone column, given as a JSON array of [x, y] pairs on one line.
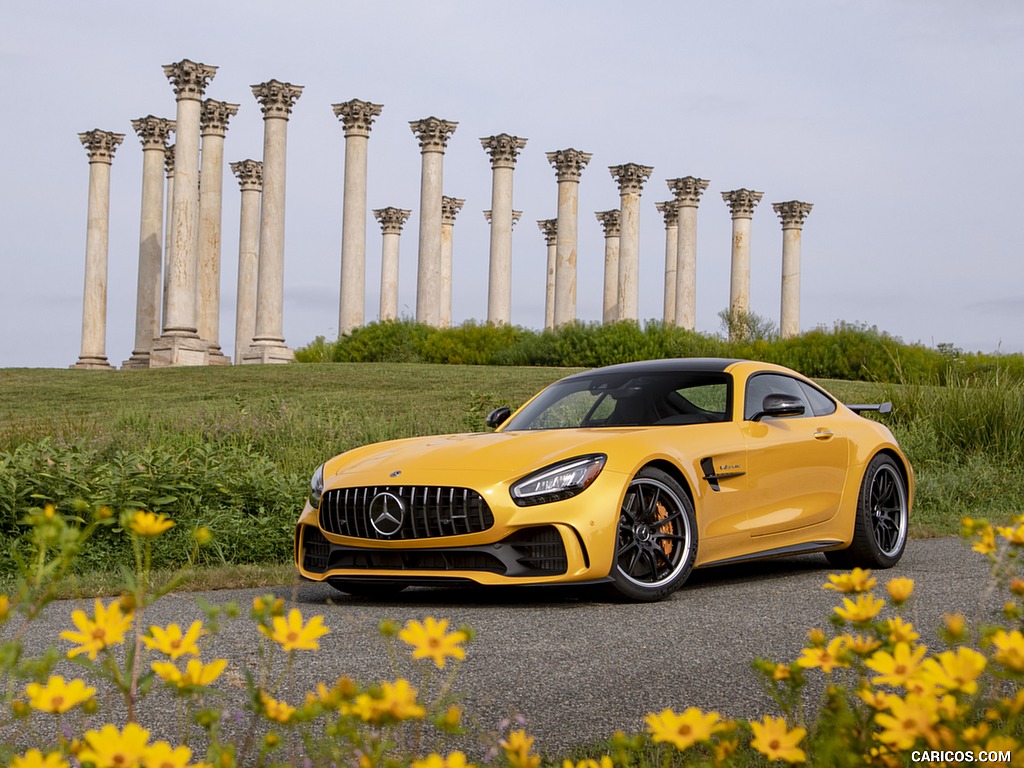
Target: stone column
[[569, 165], [168, 230], [687, 191], [669, 210], [550, 229], [357, 117], [450, 206], [276, 101], [793, 214], [631, 178], [214, 124], [433, 136], [610, 224], [153, 133], [391, 221], [180, 343], [741, 204], [503, 149], [101, 146], [516, 216], [250, 180]]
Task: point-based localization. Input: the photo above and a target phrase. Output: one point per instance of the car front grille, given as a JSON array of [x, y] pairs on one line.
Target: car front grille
[[540, 550], [316, 550], [413, 511]]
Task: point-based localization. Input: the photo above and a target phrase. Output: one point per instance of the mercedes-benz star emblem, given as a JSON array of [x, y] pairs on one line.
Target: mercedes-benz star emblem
[[387, 513]]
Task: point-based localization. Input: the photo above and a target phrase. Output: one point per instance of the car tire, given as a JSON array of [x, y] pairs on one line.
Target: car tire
[[367, 588], [656, 540], [881, 521]]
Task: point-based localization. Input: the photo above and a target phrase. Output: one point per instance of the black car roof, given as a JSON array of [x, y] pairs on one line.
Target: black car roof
[[689, 364]]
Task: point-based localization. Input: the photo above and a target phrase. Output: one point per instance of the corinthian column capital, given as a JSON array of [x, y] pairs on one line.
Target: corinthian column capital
[[276, 98], [249, 174], [742, 202], [630, 177], [432, 133], [450, 206], [169, 160], [687, 190], [100, 145], [609, 222], [213, 119], [357, 116], [189, 78], [503, 149], [549, 227], [792, 213], [569, 163], [391, 219], [670, 210], [153, 132]]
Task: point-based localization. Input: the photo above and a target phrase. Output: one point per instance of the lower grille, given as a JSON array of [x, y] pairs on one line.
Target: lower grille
[[402, 512], [540, 549], [316, 550]]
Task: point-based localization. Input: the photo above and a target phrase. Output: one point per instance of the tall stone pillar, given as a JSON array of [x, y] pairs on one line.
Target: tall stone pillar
[[793, 214], [516, 216], [671, 213], [569, 165], [179, 343], [741, 204], [631, 178], [610, 305], [687, 191], [214, 124], [101, 146], [357, 117], [391, 221], [503, 149], [276, 101], [550, 229], [433, 136], [250, 180], [153, 133], [168, 230], [450, 206]]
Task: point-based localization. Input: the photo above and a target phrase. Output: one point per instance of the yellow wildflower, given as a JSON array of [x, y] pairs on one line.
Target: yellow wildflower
[[1013, 535], [394, 701], [105, 629], [911, 719], [196, 673], [976, 734], [517, 747], [875, 698], [864, 609], [725, 749], [57, 696], [897, 668], [36, 759], [815, 636], [862, 645], [682, 730], [1009, 649], [828, 658], [452, 717], [431, 640], [956, 625], [172, 642], [292, 635], [774, 739], [781, 672], [857, 580], [5, 608], [1016, 586], [110, 748], [899, 590], [955, 670], [149, 524], [454, 760], [606, 762], [279, 711], [160, 754], [986, 543], [900, 631]]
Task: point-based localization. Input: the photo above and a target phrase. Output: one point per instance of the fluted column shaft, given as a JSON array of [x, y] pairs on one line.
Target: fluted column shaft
[[630, 178], [153, 133], [433, 137], [671, 213], [250, 180], [741, 204], [687, 191], [569, 164], [503, 149], [792, 214], [100, 146], [550, 229], [168, 231], [391, 222], [450, 206], [610, 304]]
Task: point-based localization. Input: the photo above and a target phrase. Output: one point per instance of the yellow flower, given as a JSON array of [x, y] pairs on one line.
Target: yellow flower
[[57, 696], [682, 730], [292, 635], [5, 608], [196, 673], [280, 711], [202, 536], [862, 645], [148, 524], [774, 740], [394, 701], [864, 609], [36, 759], [857, 580], [160, 754], [900, 631], [172, 642], [431, 640], [986, 541], [1016, 586], [897, 668], [875, 698], [955, 670], [781, 672], [454, 760], [956, 624], [606, 762], [899, 590], [107, 628], [815, 636], [1009, 649], [910, 719], [111, 748], [452, 717], [1013, 535], [517, 749], [827, 658]]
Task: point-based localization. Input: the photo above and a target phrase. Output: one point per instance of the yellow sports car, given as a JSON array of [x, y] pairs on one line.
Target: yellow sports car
[[632, 475]]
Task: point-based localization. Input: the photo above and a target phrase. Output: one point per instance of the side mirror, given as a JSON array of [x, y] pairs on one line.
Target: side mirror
[[498, 416], [780, 405]]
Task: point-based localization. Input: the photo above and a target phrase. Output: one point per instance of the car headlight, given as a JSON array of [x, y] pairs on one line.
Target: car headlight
[[560, 481], [316, 487]]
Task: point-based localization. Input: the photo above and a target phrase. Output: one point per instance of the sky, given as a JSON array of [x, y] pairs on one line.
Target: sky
[[901, 121]]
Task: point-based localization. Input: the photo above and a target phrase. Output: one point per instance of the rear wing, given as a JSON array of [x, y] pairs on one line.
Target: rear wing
[[878, 407]]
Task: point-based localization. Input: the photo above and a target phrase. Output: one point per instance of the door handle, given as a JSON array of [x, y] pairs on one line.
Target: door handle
[[822, 434]]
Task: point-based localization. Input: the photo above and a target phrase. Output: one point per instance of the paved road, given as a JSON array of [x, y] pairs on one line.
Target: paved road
[[578, 667]]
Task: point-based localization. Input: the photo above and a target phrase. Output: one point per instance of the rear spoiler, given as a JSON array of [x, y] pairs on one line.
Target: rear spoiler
[[879, 407]]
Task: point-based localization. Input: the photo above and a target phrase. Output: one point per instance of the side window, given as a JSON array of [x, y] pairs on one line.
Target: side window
[[710, 398], [821, 404], [761, 385]]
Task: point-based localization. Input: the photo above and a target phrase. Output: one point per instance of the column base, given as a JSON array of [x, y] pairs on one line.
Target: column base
[[171, 351], [137, 361], [267, 353], [217, 357], [93, 363]]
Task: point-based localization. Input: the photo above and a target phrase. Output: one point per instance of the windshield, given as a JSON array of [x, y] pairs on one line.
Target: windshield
[[629, 400]]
